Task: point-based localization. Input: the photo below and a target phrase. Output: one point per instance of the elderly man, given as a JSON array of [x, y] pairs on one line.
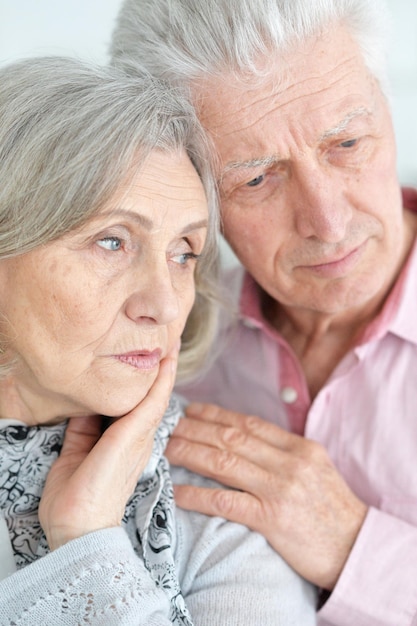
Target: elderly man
[[324, 350]]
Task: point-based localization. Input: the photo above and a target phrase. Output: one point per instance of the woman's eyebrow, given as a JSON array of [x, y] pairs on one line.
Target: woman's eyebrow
[[194, 226], [147, 223], [142, 220]]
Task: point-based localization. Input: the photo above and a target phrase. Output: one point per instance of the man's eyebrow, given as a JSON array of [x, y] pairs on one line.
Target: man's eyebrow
[[343, 124], [257, 162], [270, 160]]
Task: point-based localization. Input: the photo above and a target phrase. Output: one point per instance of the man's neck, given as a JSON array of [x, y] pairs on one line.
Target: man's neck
[[321, 339]]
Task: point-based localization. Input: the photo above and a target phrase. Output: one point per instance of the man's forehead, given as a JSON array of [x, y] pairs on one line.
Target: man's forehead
[[305, 71], [266, 160]]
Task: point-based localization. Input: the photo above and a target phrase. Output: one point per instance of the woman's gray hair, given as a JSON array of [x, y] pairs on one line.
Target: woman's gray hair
[[70, 135], [184, 41]]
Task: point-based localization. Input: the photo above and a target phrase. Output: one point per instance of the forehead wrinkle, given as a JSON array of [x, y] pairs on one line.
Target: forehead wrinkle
[[283, 91], [288, 89], [242, 116], [142, 220], [148, 224]]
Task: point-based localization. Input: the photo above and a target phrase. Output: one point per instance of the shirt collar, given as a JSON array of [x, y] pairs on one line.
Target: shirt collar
[[403, 300], [250, 302]]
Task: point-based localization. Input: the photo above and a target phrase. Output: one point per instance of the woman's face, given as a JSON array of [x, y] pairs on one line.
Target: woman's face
[[90, 316]]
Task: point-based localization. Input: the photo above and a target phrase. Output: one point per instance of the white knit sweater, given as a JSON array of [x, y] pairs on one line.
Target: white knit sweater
[[223, 573]]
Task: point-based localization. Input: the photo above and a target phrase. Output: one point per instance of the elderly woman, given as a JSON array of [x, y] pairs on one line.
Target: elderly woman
[[106, 245]]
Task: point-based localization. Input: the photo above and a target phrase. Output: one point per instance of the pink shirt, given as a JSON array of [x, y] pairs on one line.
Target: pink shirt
[[365, 416]]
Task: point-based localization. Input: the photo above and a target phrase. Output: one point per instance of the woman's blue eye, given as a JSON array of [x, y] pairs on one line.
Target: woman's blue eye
[[110, 243], [182, 259], [349, 143], [256, 181]]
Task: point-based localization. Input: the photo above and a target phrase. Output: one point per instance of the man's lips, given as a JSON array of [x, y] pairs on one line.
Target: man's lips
[[141, 359], [338, 267]]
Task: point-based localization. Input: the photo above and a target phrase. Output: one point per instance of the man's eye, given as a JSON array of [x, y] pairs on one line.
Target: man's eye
[[256, 181], [110, 243], [349, 143]]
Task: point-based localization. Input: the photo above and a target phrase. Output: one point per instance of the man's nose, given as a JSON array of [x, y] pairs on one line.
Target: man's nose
[[321, 209]]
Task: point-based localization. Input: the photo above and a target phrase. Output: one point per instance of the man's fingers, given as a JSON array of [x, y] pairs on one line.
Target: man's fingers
[[248, 424], [235, 506], [232, 438], [221, 465]]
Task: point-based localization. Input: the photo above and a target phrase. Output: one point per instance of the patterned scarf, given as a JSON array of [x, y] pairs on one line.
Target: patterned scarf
[[26, 455]]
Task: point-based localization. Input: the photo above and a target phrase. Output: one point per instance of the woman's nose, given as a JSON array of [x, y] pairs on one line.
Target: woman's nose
[[153, 298]]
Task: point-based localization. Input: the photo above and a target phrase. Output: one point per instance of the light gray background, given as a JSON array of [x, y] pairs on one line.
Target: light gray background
[[83, 28]]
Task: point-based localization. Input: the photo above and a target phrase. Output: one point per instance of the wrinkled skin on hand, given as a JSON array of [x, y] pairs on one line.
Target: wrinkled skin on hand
[[281, 485], [90, 483]]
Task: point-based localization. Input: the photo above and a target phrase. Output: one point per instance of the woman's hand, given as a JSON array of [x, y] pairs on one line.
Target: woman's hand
[[90, 483], [283, 486]]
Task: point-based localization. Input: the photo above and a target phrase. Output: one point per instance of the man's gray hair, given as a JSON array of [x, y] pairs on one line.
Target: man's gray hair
[[184, 41], [70, 135]]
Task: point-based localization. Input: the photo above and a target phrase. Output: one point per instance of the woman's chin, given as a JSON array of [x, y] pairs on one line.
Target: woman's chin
[[119, 407]]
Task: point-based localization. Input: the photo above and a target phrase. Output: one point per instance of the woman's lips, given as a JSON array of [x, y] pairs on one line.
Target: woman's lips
[[141, 359], [339, 267]]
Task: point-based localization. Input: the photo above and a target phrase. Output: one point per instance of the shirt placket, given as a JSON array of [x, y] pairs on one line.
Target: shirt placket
[[292, 389]]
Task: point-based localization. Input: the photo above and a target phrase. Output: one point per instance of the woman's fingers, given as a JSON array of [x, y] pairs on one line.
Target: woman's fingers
[[89, 484], [140, 424], [122, 452], [81, 435]]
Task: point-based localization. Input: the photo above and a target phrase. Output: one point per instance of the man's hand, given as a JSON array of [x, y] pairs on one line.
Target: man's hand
[[282, 485], [90, 483]]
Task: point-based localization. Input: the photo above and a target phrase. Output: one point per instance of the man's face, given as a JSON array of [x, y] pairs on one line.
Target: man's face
[[310, 199]]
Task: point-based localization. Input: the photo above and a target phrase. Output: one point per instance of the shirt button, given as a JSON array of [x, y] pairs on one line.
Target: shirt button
[[289, 395], [249, 323]]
